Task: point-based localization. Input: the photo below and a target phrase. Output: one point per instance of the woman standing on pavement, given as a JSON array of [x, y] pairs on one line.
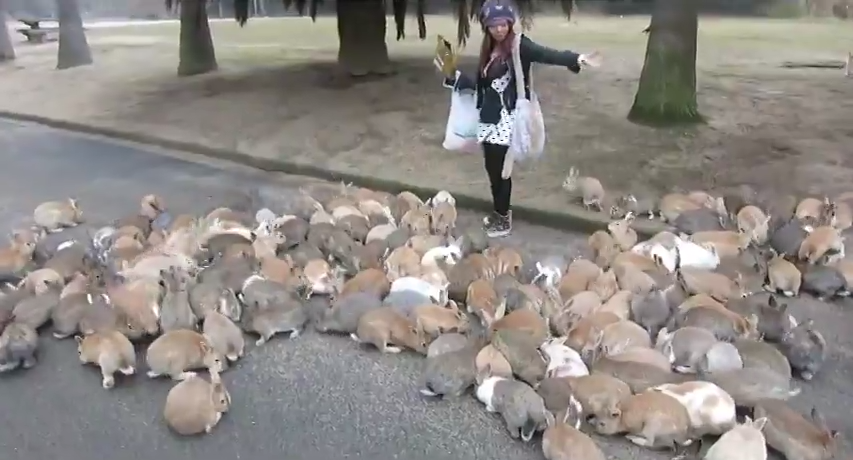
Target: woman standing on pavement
[[495, 86]]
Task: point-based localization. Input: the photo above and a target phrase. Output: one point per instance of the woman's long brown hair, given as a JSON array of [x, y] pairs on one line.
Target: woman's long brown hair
[[488, 45]]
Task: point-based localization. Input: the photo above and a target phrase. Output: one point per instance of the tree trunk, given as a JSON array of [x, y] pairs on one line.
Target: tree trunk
[[667, 91], [196, 49], [73, 48], [361, 31], [7, 50]]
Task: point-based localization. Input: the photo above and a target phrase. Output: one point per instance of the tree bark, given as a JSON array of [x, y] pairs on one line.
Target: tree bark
[[197, 55], [361, 31], [7, 50], [73, 47], [667, 91]]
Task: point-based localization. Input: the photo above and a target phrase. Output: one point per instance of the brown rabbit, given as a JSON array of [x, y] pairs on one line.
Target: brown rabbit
[[177, 352], [619, 304], [195, 405], [623, 234], [524, 320], [582, 304], [443, 218], [650, 419], [727, 243], [418, 221], [504, 260], [636, 261], [752, 221], [588, 189], [583, 331], [604, 248], [53, 216], [402, 262], [810, 209], [578, 277], [605, 285], [223, 335], [782, 276], [491, 362], [423, 243], [109, 350], [39, 281], [820, 241], [718, 286], [140, 301], [673, 204], [18, 254], [564, 441], [482, 300], [616, 338], [435, 320], [370, 280], [600, 395], [795, 436], [632, 279], [388, 330]]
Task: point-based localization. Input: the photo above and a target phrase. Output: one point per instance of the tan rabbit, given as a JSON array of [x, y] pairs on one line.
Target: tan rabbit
[[841, 215], [177, 352], [673, 204], [632, 279], [744, 441], [223, 335], [39, 281], [563, 440], [716, 285], [700, 300], [619, 304], [523, 320], [711, 410], [505, 260], [482, 300], [408, 200], [795, 436], [139, 300], [727, 243], [589, 189], [380, 232], [580, 274], [650, 419], [820, 241], [195, 405], [783, 276], [18, 254], [604, 248], [435, 320], [319, 278], [582, 304], [388, 330], [402, 262], [586, 328], [443, 218], [417, 221], [640, 262], [643, 355], [605, 285], [109, 350], [491, 362], [752, 221], [56, 215], [423, 243], [845, 267], [810, 209], [625, 236], [616, 338], [78, 284], [600, 395], [370, 280]]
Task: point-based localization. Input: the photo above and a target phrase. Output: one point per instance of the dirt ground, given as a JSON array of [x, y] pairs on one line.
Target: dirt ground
[[276, 95]]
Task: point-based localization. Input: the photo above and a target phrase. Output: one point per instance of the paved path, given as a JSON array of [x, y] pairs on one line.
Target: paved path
[[314, 398]]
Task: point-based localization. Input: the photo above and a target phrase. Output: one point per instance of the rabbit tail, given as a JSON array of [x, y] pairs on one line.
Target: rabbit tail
[[528, 430]]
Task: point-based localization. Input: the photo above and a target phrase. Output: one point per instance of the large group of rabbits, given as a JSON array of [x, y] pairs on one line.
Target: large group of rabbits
[[659, 341]]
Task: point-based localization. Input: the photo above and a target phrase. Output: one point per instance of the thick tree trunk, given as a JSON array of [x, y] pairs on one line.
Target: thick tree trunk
[[73, 48], [7, 51], [667, 89], [361, 31], [196, 49]]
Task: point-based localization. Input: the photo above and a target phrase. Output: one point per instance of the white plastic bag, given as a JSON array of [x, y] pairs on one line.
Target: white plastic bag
[[528, 131], [462, 122]]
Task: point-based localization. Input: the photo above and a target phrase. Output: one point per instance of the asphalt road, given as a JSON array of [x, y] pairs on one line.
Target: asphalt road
[[312, 398]]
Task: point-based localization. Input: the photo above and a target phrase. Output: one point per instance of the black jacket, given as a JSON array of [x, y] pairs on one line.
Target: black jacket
[[489, 101]]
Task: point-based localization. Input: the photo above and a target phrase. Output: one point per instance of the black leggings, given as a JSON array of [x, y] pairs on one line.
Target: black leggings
[[494, 156]]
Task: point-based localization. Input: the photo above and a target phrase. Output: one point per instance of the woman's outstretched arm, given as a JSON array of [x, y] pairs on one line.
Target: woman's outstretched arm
[[534, 52], [460, 82]]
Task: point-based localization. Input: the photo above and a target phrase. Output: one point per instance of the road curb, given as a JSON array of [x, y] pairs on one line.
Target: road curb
[[574, 218]]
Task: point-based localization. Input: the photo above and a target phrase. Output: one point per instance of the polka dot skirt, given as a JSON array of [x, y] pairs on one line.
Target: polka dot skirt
[[500, 133]]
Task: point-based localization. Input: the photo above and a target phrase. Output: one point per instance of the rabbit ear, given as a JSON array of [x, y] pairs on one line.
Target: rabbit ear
[[758, 424], [78, 339]]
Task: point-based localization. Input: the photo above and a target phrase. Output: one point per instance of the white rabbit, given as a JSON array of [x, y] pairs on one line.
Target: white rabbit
[[695, 255], [562, 360], [423, 287]]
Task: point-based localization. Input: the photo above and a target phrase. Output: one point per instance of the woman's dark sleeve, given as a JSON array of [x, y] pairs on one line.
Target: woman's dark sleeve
[[534, 52], [460, 82]]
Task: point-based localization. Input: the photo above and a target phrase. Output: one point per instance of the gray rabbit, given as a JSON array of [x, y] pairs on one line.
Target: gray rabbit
[[175, 309], [449, 375], [346, 311], [805, 349], [18, 345], [523, 410]]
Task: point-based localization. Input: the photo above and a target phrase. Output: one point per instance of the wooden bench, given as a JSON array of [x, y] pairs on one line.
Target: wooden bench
[[35, 33]]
